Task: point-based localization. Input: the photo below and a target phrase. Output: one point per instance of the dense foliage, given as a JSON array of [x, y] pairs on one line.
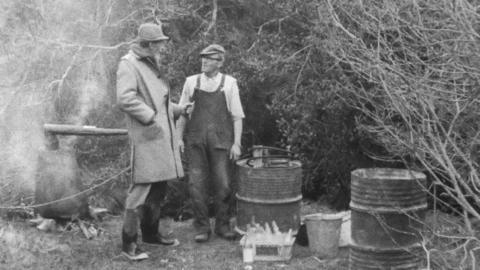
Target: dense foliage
[[341, 83], [65, 53]]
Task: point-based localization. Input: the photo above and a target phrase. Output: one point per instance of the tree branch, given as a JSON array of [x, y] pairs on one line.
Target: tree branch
[[213, 22]]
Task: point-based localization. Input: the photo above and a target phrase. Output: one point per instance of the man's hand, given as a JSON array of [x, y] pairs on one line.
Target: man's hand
[[181, 146], [235, 151], [187, 108]]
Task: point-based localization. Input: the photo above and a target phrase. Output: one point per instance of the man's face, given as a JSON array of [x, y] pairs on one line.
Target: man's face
[[159, 48], [211, 63]]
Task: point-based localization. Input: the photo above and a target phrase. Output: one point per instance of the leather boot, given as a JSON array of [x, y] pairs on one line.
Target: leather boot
[[222, 220], [224, 232]]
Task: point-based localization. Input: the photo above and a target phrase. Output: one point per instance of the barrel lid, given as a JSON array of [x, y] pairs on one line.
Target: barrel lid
[[291, 164]]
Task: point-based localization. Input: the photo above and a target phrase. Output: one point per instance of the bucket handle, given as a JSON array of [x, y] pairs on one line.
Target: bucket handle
[[251, 159]]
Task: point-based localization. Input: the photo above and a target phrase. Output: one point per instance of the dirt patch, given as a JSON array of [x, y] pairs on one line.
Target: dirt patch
[[24, 247]]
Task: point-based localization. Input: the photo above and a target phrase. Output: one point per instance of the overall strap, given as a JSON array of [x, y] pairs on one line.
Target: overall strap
[[198, 81], [197, 86], [222, 83]]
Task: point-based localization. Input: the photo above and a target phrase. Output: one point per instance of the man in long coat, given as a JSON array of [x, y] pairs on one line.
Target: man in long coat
[[143, 93]]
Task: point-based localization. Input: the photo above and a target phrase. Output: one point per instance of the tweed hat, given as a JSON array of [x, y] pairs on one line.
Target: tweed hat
[[212, 49], [151, 32]]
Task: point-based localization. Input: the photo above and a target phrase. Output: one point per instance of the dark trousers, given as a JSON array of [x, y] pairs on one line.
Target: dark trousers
[[148, 214], [209, 169]]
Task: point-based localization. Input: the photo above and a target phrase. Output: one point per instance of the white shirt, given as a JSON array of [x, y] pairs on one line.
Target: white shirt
[[207, 84]]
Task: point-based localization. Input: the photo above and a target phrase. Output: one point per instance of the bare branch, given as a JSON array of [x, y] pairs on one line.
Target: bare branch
[[87, 46], [213, 22]]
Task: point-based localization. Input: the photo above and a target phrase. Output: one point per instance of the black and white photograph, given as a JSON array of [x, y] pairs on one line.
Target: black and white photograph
[[240, 134]]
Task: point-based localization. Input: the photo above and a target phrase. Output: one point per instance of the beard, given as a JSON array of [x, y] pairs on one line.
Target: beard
[[162, 63]]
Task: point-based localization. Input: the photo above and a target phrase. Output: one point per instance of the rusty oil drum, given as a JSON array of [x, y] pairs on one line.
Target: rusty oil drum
[[388, 208], [270, 192], [362, 258]]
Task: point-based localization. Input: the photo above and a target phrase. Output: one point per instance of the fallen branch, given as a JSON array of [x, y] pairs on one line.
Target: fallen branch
[[84, 229]]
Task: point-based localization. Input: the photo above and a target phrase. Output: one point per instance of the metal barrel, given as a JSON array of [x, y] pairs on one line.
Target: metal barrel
[[362, 258], [388, 208], [58, 184], [57, 179], [267, 194]]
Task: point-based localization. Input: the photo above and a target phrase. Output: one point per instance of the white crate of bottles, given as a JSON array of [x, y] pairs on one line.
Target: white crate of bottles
[[266, 244]]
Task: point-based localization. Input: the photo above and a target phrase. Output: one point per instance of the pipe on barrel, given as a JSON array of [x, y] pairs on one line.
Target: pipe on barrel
[[52, 130], [57, 175]]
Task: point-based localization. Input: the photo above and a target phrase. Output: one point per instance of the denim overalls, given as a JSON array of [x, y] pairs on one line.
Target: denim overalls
[[209, 137]]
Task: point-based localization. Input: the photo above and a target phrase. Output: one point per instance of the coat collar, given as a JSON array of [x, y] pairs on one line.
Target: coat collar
[[147, 60]]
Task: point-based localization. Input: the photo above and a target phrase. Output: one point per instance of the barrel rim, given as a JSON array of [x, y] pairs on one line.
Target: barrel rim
[[386, 174], [325, 216], [262, 201], [385, 209], [368, 248]]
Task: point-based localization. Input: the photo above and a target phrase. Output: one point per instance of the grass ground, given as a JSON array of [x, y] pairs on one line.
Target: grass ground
[[25, 247]]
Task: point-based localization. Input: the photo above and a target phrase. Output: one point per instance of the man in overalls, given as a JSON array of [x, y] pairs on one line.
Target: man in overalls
[[213, 138]]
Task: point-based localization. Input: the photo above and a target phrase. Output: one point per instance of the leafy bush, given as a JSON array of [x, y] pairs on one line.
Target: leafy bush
[[272, 51]]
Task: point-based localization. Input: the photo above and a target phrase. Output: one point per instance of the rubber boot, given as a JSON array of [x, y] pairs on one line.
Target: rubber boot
[[149, 221], [130, 249]]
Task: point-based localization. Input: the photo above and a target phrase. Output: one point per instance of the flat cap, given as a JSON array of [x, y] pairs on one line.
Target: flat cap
[[212, 49], [151, 32]]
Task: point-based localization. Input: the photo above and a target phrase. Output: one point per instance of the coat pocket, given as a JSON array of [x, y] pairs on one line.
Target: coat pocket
[[152, 132]]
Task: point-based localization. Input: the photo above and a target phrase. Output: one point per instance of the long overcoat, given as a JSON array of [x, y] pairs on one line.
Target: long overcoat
[[142, 94]]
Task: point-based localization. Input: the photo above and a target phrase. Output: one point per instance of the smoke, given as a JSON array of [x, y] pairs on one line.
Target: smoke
[[92, 93], [20, 139], [29, 71]]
